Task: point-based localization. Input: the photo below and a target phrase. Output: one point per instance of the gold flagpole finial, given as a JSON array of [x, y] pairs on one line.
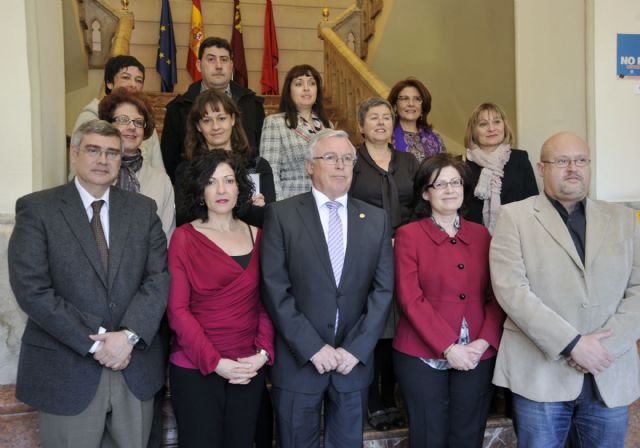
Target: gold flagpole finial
[[325, 14]]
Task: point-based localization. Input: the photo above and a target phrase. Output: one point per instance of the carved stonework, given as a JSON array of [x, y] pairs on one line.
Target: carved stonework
[[97, 11]]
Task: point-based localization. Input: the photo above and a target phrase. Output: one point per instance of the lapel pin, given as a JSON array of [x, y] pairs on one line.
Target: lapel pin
[[362, 215]]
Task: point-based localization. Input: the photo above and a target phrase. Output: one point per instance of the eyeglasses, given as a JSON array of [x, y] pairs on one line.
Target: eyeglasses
[[332, 158], [406, 99], [125, 120], [441, 185], [564, 163], [94, 152]]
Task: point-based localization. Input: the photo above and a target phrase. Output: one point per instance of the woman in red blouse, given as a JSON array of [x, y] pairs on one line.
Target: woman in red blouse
[[450, 324], [223, 336]]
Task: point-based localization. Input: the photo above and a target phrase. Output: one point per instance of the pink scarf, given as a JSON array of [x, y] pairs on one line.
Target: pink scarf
[[489, 184]]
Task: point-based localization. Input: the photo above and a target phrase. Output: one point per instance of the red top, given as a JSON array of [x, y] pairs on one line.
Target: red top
[[214, 304], [440, 280]]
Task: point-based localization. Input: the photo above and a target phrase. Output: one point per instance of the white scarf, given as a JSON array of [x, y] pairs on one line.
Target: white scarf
[[489, 184]]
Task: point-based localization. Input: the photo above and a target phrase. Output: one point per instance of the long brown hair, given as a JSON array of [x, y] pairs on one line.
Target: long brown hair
[[289, 107]]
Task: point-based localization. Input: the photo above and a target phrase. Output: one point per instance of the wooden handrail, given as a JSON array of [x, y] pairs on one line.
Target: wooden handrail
[[122, 36]]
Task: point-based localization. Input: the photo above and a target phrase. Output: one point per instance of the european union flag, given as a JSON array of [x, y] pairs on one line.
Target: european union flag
[[165, 62]]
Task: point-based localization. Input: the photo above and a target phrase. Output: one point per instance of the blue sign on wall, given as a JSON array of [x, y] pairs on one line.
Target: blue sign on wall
[[628, 55]]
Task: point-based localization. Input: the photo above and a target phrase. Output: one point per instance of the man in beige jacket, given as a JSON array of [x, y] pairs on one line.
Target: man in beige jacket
[[566, 270]]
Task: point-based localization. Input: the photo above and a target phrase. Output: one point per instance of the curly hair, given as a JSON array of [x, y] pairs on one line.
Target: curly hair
[[110, 103], [424, 93], [429, 169], [199, 171], [289, 107], [218, 101]]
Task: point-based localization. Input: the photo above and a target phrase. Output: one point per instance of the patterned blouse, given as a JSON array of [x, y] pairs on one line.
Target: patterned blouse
[[422, 144], [284, 149]]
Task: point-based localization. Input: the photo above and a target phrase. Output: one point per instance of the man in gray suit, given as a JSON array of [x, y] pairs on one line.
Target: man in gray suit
[[327, 270], [566, 270], [87, 264]]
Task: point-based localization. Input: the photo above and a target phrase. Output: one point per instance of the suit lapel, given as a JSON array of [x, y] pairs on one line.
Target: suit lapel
[[355, 222], [119, 222], [76, 218], [308, 211], [597, 225], [550, 219]]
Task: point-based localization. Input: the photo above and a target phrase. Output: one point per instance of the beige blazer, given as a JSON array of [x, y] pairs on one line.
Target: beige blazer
[[549, 297]]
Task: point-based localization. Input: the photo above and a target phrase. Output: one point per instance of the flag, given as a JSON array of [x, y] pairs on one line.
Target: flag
[[195, 38], [269, 80], [165, 62], [237, 45]]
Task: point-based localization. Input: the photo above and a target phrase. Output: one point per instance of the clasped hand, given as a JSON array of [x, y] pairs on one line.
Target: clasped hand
[[338, 359], [114, 352], [589, 355], [242, 370], [466, 357]]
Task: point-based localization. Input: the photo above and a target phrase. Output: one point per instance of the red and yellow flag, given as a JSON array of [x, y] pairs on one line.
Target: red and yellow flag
[[196, 35]]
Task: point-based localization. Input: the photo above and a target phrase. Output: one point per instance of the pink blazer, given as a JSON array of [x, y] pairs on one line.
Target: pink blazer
[[440, 280]]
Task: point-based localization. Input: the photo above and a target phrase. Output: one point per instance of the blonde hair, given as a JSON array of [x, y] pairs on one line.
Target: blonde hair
[[475, 118]]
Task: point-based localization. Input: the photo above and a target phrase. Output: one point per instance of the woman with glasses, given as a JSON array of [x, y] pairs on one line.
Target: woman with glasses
[[286, 135], [499, 174], [384, 178], [450, 324], [411, 102], [223, 335], [130, 113], [214, 122]]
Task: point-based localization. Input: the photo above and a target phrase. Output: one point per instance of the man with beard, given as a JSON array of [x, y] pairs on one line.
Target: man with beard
[[566, 270]]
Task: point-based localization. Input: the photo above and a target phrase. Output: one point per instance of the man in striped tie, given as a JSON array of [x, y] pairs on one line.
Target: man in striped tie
[[327, 269]]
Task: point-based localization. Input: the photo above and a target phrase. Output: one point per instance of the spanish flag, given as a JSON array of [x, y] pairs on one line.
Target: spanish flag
[[196, 35]]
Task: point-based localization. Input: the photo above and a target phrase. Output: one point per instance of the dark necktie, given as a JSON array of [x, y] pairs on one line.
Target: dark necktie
[[98, 232]]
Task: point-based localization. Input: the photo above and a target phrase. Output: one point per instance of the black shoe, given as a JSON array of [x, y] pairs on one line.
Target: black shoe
[[395, 418], [378, 420]]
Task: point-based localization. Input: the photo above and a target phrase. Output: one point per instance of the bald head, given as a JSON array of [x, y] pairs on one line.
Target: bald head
[[569, 184]]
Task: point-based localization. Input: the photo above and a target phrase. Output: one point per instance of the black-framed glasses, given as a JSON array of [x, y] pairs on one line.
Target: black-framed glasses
[[580, 162], [441, 185], [332, 158], [125, 120], [95, 152]]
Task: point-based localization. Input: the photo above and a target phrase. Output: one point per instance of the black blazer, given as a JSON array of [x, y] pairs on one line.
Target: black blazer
[[59, 282], [300, 294], [518, 183]]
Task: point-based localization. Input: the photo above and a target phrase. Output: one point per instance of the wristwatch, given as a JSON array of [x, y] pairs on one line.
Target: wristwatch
[[132, 338], [265, 353]]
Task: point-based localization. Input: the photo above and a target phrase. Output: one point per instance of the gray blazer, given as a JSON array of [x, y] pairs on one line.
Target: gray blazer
[[59, 282], [301, 296], [549, 297]]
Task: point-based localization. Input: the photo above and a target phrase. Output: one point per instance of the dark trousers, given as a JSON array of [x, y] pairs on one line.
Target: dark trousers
[[382, 389], [211, 412], [447, 408], [298, 418]]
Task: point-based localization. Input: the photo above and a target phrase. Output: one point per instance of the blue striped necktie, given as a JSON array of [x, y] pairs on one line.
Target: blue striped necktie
[[335, 240]]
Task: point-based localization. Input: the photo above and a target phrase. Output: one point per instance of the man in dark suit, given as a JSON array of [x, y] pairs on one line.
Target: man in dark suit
[[327, 268], [215, 63], [87, 264]]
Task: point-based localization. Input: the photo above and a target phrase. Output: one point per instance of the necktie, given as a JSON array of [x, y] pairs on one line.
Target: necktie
[[335, 240], [98, 232]]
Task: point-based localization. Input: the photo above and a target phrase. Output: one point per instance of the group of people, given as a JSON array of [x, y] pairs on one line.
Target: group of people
[[344, 270]]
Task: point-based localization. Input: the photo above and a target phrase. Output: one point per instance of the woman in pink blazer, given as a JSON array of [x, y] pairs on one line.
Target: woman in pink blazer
[[450, 327]]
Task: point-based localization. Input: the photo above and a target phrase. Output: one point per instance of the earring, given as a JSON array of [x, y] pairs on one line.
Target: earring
[[201, 203]]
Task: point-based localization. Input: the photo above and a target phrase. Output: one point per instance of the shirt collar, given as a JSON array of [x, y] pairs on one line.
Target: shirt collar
[[227, 90], [322, 199], [87, 198], [564, 214]]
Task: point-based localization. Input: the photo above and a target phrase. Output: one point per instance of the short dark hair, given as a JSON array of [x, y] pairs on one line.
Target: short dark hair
[[431, 168], [286, 102], [117, 63], [370, 103], [196, 178], [195, 143], [214, 42], [109, 103], [424, 93]]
